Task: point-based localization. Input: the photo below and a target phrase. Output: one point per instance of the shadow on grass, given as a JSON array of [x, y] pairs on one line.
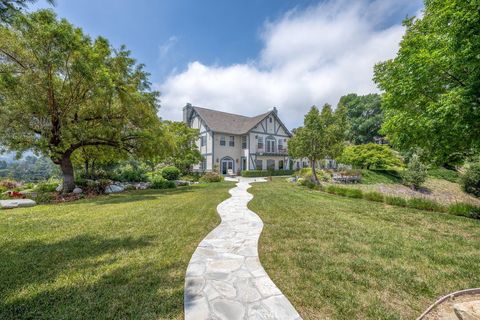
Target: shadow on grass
[[140, 195], [134, 291]]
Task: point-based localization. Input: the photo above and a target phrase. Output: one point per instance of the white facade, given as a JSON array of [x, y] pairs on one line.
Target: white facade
[[261, 147]]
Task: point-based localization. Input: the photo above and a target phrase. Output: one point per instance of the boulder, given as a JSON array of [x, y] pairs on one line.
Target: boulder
[[180, 183], [77, 190], [113, 188], [17, 203], [467, 310]]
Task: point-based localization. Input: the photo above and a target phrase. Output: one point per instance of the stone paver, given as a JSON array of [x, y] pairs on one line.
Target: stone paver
[[225, 279]]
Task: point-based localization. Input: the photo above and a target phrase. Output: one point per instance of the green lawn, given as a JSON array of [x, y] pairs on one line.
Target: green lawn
[[342, 258], [115, 257]]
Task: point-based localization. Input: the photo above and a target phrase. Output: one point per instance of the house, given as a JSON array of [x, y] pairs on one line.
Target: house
[[231, 143]]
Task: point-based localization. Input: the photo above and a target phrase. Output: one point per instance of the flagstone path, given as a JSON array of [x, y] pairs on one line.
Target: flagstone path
[[224, 278]]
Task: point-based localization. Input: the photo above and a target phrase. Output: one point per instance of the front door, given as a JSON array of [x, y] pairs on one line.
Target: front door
[[227, 166], [244, 163]]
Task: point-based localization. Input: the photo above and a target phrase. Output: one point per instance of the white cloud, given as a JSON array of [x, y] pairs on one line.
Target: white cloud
[[309, 57]]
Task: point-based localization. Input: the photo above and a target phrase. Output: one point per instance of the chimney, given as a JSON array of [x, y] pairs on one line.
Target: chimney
[[187, 111], [274, 109]]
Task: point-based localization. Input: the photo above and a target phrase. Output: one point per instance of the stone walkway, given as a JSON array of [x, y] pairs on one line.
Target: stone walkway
[[225, 279]]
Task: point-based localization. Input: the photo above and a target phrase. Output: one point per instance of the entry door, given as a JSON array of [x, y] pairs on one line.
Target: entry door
[[227, 165], [244, 163]]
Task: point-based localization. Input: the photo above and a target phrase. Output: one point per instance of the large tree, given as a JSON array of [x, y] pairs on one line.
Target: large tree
[[61, 91], [364, 116], [432, 87], [322, 136], [9, 8], [185, 151]]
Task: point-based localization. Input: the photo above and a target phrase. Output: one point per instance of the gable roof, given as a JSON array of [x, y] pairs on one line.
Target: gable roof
[[225, 122]]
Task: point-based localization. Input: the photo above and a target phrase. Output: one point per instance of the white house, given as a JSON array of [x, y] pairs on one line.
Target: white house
[[231, 143]]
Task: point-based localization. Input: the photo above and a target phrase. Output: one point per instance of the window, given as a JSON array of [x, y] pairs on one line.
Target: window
[[280, 165], [270, 164], [270, 120], [270, 142], [258, 164], [203, 141], [231, 142], [203, 165], [244, 142], [280, 144], [260, 143], [222, 140]]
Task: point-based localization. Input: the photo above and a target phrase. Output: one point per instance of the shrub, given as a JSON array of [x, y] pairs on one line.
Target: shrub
[[47, 186], [9, 184], [159, 182], [171, 173], [373, 196], [307, 183], [211, 177], [370, 155], [471, 179], [330, 189], [192, 177], [266, 173], [354, 193], [396, 201], [2, 189], [132, 173], [425, 204], [44, 197], [415, 174], [464, 209]]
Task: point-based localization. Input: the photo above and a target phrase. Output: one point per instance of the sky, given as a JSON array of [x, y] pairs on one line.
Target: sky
[[247, 56]]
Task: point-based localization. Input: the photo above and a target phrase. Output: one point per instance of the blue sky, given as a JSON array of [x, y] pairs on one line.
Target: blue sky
[[250, 55]]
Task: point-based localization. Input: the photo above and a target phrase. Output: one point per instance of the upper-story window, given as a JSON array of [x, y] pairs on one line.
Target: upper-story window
[[222, 140], [270, 119], [231, 142], [280, 144], [203, 141], [244, 142], [260, 143], [270, 142]]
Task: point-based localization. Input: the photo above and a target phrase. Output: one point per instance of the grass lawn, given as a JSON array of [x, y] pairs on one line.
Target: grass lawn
[[342, 258], [115, 257]]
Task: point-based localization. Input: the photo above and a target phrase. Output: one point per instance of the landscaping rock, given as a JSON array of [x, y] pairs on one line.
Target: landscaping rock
[[467, 310], [59, 188], [113, 188], [180, 183], [77, 190], [17, 203]]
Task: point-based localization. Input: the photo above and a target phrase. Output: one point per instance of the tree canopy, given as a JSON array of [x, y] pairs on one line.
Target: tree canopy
[[322, 135], [8, 8], [432, 87], [61, 91], [364, 115]]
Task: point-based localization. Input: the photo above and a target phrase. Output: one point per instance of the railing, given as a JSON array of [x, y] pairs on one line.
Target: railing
[[282, 151]]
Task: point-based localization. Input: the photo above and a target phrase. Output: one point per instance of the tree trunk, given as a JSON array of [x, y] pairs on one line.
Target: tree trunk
[[314, 173], [68, 176], [86, 168]]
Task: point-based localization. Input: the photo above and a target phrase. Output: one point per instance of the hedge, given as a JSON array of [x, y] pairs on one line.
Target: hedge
[[266, 173]]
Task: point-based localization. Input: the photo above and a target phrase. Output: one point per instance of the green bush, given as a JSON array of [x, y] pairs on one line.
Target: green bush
[[373, 196], [396, 201], [132, 173], [308, 183], [465, 209], [44, 197], [192, 177], [47, 186], [3, 189], [425, 204], [354, 193], [415, 174], [211, 177], [266, 173], [171, 173], [471, 179], [159, 182], [370, 155]]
